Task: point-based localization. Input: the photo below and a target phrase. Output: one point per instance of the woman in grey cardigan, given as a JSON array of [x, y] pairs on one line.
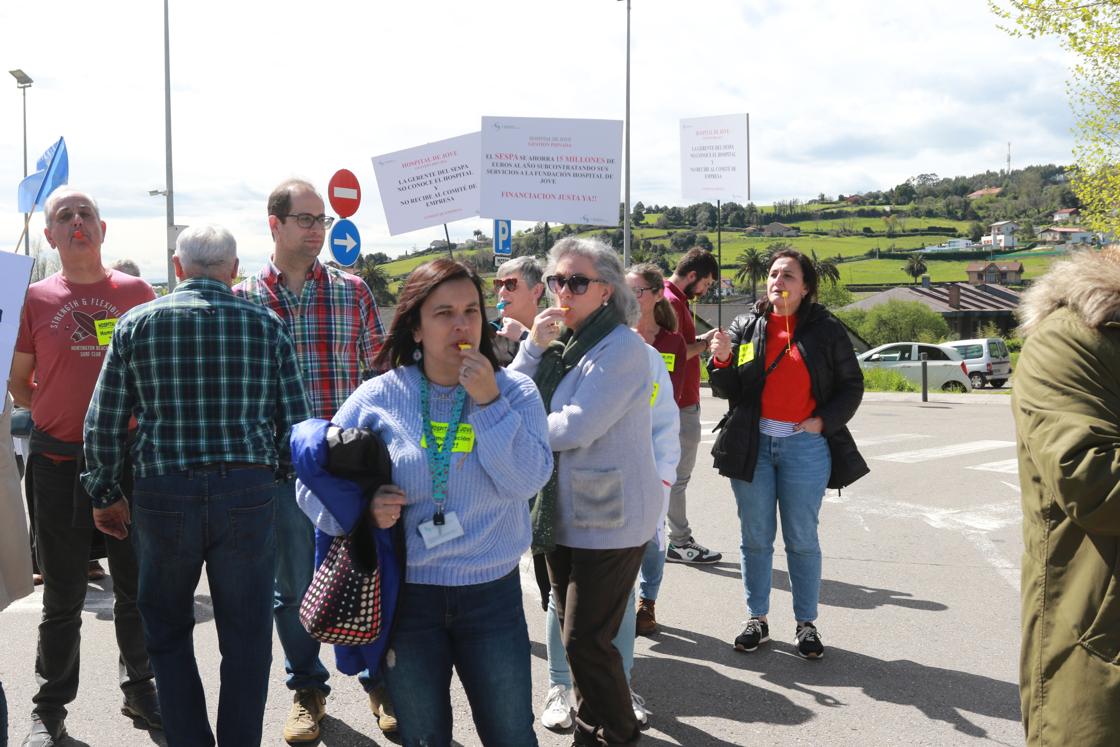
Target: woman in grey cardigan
[[602, 504]]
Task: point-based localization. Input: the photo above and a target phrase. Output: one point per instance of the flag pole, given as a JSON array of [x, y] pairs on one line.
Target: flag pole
[[26, 223]]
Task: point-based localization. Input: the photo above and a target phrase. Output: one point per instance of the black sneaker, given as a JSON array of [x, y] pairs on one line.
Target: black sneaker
[[755, 632], [808, 640], [690, 551]]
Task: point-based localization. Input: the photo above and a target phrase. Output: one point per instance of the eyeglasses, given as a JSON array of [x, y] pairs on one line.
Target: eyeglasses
[[510, 284], [641, 289], [577, 284], [307, 220]]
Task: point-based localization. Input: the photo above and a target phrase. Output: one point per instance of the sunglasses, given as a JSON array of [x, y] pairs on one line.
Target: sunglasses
[[577, 284], [510, 284]]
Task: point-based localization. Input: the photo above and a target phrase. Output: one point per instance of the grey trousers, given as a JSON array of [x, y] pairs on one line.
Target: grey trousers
[[679, 530]]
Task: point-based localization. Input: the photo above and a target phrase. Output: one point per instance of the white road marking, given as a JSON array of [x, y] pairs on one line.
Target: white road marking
[[98, 601], [941, 452], [974, 523], [1007, 466], [889, 439]]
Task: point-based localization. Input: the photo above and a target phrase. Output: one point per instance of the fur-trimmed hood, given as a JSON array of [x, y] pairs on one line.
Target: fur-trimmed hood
[[1088, 283]]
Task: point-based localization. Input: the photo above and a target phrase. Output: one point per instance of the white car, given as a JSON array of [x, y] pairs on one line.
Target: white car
[[945, 369]]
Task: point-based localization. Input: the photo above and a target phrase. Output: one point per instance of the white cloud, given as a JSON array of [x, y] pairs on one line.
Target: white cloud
[[843, 97]]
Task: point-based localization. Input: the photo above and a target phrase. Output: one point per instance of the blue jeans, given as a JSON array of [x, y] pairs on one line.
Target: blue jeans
[[790, 477], [480, 631], [652, 571], [295, 565], [559, 673], [227, 521]]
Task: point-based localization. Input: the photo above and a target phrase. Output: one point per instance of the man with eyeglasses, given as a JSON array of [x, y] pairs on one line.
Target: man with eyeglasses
[[519, 288], [333, 318]]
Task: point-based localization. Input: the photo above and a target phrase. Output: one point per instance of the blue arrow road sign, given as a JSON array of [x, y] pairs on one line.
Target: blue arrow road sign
[[503, 238], [346, 244]]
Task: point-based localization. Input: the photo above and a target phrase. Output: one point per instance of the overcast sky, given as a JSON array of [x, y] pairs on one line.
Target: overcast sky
[[843, 97]]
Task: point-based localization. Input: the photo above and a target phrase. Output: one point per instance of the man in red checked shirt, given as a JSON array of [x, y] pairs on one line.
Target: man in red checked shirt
[[332, 316], [696, 271]]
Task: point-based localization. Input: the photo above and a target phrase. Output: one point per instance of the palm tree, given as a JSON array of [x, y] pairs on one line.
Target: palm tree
[[915, 267], [377, 280], [826, 269], [753, 265]]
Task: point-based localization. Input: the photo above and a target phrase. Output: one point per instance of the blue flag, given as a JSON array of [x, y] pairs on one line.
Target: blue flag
[[52, 171]]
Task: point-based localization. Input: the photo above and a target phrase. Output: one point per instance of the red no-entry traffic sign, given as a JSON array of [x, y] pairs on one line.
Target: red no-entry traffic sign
[[344, 193]]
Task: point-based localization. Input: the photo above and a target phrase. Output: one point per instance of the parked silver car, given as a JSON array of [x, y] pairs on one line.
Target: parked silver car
[[987, 360], [944, 368]]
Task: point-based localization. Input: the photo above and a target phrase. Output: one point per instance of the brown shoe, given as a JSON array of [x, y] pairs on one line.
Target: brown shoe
[[646, 619], [94, 571], [308, 708], [382, 708]]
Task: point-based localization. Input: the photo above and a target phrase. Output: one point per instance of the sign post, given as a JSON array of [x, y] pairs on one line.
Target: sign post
[[346, 243], [344, 193]]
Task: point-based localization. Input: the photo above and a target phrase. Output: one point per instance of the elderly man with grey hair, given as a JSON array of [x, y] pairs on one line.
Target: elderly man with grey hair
[[215, 387]]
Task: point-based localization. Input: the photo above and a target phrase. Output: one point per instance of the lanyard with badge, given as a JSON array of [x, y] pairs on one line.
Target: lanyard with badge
[[442, 527]]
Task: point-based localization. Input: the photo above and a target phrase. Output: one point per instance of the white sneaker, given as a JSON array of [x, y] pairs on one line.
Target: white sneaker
[[557, 713], [640, 711]]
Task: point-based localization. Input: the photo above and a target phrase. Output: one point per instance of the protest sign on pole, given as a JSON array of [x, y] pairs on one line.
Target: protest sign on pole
[[429, 184], [15, 271], [558, 170], [715, 159]]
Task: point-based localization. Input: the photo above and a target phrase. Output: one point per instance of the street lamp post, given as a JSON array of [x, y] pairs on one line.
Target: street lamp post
[[167, 140], [23, 82], [626, 152]]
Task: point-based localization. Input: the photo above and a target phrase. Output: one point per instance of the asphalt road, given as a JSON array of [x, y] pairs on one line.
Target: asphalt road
[[919, 613]]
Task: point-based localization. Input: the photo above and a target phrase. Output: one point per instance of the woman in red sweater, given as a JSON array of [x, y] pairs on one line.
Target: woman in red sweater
[[790, 373]]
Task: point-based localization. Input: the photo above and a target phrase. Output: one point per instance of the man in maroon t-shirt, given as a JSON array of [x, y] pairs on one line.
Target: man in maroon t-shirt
[[695, 273], [65, 329]]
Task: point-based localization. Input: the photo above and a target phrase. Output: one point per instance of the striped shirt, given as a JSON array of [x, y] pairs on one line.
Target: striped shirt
[[210, 378], [334, 323]]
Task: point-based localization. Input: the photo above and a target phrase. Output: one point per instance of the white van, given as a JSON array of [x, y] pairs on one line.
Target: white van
[[987, 360]]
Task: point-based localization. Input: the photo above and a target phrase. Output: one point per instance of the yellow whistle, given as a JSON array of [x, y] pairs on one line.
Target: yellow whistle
[[464, 346], [565, 308], [785, 294]]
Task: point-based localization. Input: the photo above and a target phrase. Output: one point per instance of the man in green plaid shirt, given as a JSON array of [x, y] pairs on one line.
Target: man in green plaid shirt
[[214, 385]]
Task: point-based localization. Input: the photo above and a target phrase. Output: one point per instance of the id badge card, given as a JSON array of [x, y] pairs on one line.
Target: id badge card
[[436, 534]]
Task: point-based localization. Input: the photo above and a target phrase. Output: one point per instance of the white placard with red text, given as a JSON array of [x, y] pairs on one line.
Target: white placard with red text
[[15, 271], [557, 170], [429, 184], [715, 158]]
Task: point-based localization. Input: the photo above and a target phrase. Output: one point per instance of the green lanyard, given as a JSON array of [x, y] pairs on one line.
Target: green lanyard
[[439, 458]]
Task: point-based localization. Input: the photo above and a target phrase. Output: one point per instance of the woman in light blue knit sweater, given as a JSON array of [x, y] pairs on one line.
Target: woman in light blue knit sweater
[[466, 520]]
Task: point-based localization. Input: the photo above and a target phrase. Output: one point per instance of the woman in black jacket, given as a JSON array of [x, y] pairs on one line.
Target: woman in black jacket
[[791, 376]]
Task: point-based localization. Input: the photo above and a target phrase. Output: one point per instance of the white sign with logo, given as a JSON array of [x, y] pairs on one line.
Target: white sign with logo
[[429, 184], [715, 158], [15, 272], [558, 170]]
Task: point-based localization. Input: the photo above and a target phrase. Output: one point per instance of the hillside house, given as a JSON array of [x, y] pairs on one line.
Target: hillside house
[[986, 192], [780, 229], [1001, 234], [1066, 235], [952, 245], [1065, 215], [994, 273]]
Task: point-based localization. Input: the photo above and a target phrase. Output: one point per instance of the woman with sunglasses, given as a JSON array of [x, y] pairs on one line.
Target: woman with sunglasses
[[790, 373], [595, 514], [519, 286], [657, 325], [469, 446]]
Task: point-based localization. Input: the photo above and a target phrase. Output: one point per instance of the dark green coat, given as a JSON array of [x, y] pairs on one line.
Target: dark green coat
[[1066, 404]]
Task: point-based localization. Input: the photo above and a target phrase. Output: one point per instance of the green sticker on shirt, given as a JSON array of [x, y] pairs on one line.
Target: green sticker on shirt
[[464, 437], [670, 361], [104, 328], [746, 353]]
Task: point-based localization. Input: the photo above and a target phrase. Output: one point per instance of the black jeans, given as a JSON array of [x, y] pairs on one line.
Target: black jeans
[[63, 558]]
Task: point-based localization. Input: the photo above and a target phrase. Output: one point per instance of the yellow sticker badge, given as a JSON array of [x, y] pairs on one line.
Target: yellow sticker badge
[[670, 361], [653, 396], [746, 353], [104, 329], [464, 437]]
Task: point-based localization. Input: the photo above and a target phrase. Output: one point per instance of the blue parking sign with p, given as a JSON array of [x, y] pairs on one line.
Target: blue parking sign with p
[[503, 238]]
